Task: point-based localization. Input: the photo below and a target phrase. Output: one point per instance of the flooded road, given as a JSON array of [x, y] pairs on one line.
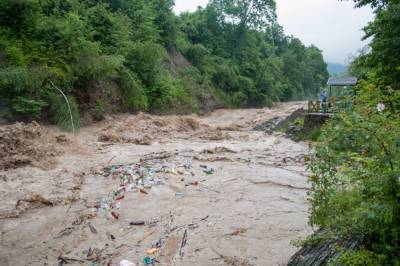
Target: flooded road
[[219, 194]]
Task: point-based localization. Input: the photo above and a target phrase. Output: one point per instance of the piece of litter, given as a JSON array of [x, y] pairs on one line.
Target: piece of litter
[[148, 260], [126, 263], [115, 215], [137, 223], [152, 251], [143, 191], [179, 194]]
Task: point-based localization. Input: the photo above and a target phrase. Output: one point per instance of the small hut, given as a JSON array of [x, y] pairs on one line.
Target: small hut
[[338, 98]]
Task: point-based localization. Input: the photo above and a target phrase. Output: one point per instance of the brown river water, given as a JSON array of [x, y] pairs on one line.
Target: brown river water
[[226, 195]]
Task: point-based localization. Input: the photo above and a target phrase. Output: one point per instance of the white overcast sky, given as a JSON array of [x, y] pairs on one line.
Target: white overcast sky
[[333, 26]]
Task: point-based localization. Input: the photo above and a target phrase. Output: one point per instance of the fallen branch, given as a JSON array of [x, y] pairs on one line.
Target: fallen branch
[[277, 184], [145, 237], [205, 218], [183, 243], [63, 259], [208, 188]]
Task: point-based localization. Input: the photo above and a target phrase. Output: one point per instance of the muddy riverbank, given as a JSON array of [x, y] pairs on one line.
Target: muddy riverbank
[[209, 190]]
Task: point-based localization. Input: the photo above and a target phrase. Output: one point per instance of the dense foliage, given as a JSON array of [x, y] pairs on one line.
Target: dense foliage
[[111, 55], [239, 45], [356, 166], [89, 49]]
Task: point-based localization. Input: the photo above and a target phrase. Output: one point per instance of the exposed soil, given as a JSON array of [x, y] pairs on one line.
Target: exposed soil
[[184, 190]]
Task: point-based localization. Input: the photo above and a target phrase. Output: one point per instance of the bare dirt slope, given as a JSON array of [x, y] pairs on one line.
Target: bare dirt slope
[[208, 189]]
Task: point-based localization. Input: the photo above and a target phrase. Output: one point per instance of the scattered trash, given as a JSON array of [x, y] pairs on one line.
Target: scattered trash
[[137, 223], [138, 177], [126, 263], [148, 260], [207, 170], [152, 251]]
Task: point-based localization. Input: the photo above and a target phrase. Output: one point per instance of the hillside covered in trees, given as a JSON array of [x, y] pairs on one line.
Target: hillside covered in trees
[[126, 55]]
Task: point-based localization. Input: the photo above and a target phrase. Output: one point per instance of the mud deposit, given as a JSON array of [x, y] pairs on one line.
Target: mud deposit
[[195, 191]]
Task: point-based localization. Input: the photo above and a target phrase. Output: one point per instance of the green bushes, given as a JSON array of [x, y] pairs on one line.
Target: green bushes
[[73, 43], [169, 94], [28, 106], [196, 54], [239, 99], [359, 258], [59, 111], [16, 80], [134, 95], [356, 165], [145, 60], [99, 66], [25, 89], [355, 181]]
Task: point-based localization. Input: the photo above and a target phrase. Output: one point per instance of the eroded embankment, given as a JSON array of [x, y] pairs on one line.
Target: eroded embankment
[[200, 191]]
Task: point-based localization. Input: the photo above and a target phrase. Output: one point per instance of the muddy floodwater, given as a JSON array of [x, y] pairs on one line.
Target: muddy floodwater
[[182, 190]]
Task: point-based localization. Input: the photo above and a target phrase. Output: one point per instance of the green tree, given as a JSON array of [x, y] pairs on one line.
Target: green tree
[[384, 56], [255, 14]]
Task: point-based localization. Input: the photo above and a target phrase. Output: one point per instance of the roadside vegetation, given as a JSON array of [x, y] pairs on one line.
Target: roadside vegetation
[[356, 163], [115, 56]]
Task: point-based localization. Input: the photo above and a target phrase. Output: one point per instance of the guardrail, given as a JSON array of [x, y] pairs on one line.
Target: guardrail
[[333, 105]]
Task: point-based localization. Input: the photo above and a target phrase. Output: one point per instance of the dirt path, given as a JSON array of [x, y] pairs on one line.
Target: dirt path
[[217, 194]]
